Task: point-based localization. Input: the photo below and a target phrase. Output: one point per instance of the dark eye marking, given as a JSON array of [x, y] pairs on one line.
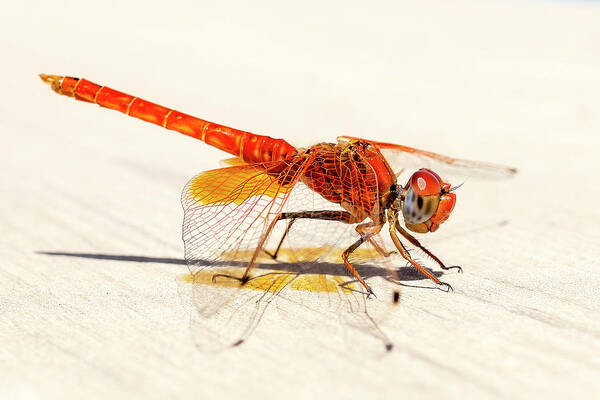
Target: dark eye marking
[[420, 202], [428, 208]]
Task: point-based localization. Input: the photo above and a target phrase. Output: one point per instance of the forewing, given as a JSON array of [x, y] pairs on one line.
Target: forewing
[[410, 159]]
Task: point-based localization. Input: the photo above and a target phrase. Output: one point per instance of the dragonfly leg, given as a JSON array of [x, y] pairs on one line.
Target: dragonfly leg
[[287, 229], [404, 252], [341, 216], [246, 277], [368, 229], [237, 278], [366, 232], [327, 215], [350, 267], [416, 243]]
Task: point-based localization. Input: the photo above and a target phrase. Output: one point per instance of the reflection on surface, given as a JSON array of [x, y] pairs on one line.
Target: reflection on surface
[[264, 280]]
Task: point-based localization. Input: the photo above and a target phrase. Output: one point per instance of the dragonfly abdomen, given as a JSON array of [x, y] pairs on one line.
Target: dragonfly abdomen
[[249, 147]]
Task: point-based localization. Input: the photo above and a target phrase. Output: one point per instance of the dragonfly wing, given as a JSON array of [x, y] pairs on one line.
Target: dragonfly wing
[[228, 210], [225, 312], [226, 213], [403, 157], [232, 162]]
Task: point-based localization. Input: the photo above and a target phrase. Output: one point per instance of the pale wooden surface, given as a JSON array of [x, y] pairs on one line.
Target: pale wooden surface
[[510, 82]]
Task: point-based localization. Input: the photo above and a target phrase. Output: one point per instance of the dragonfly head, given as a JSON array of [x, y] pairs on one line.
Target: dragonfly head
[[426, 201]]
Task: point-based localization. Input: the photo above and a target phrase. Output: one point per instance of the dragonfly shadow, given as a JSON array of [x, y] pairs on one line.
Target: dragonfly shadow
[[405, 273], [222, 318]]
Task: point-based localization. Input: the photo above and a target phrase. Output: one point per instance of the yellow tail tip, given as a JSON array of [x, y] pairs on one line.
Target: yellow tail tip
[[52, 80]]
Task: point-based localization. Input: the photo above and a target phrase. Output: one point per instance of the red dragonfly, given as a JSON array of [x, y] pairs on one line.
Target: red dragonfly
[[233, 211]]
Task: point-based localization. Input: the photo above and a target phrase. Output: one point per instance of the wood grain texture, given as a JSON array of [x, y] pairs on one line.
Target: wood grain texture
[[514, 83]]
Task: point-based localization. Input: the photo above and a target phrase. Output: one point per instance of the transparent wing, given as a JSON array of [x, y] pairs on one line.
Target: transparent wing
[[227, 214], [229, 210], [408, 158], [329, 306]]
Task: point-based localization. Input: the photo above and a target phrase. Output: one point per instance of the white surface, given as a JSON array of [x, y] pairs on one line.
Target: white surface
[[509, 82]]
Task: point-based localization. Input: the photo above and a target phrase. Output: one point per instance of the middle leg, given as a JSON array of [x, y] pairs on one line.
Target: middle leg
[[366, 232], [341, 216]]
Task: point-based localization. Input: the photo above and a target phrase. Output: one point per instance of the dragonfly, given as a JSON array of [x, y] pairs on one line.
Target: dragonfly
[[235, 209], [313, 199]]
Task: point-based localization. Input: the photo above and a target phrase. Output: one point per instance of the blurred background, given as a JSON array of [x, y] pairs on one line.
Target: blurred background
[[510, 82]]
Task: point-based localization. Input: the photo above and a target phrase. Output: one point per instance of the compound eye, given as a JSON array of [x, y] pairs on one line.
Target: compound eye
[[425, 182], [422, 197], [418, 208]]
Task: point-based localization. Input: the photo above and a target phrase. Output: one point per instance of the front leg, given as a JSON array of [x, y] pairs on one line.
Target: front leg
[[416, 243], [393, 222]]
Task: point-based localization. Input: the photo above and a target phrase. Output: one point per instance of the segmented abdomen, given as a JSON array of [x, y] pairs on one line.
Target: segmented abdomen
[[249, 147]]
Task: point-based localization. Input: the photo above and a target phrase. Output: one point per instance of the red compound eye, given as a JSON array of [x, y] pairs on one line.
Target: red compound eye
[[425, 182]]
